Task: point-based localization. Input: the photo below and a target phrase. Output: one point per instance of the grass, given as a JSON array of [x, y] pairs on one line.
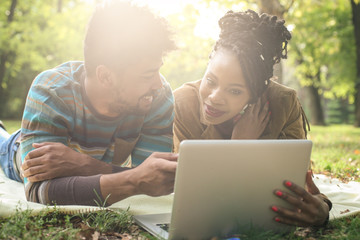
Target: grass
[[336, 152], [52, 224], [12, 125]]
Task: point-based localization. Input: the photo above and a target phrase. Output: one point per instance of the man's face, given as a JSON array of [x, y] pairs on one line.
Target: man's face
[[135, 88]]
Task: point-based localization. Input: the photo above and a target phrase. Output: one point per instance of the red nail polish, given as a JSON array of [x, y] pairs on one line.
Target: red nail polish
[[288, 183], [275, 209], [267, 102], [279, 193], [277, 219], [270, 113]]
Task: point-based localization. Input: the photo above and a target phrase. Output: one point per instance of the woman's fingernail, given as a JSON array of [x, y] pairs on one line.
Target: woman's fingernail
[[275, 209], [267, 102], [288, 183], [270, 113], [279, 193], [277, 219]]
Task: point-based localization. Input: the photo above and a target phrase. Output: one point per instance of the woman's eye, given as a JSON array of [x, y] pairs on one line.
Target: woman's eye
[[235, 92]]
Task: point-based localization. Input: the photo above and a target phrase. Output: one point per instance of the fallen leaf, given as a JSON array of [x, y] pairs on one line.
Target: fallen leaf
[[346, 211], [95, 235]]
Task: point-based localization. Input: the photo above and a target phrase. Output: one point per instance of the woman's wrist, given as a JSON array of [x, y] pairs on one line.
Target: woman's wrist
[[329, 204]]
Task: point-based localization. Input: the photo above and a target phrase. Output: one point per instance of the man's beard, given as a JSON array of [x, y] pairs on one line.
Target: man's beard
[[123, 107]]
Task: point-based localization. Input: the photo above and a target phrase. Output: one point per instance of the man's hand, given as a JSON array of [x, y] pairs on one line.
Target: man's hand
[[310, 208], [154, 177], [52, 160], [251, 124]]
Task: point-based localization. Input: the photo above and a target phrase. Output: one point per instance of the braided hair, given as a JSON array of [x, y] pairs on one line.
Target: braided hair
[[259, 41]]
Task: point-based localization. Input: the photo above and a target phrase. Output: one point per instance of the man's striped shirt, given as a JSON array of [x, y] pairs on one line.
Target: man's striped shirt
[[57, 110]]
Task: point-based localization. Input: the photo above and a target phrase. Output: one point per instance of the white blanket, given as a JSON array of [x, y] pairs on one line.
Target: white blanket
[[344, 196]]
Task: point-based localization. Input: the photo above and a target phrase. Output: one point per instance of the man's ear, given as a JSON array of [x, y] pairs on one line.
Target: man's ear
[[105, 76]]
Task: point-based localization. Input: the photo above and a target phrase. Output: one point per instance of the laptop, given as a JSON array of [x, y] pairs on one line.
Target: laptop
[[224, 187]]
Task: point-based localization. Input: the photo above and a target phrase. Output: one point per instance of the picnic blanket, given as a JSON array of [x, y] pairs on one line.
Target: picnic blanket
[[344, 196]]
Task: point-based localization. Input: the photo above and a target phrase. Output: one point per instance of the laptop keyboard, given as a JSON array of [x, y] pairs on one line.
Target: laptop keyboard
[[164, 226]]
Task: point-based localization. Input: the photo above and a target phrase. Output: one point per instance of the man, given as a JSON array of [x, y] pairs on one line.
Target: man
[[87, 124]]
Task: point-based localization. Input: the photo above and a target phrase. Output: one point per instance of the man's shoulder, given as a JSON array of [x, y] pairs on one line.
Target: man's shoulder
[[61, 75]]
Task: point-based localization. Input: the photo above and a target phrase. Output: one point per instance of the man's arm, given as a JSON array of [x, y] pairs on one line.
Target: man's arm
[[52, 160], [154, 177]]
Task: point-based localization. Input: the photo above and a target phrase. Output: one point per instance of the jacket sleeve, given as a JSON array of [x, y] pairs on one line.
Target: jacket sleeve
[[296, 124]]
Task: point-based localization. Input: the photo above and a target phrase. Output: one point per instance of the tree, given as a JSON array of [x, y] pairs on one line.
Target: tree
[[6, 54], [39, 36], [189, 62], [355, 6], [322, 49]]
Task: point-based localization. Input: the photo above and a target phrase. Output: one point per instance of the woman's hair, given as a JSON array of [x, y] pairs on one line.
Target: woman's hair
[[259, 41], [120, 33]]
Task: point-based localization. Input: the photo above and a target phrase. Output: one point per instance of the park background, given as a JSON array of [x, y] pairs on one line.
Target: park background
[[323, 65]]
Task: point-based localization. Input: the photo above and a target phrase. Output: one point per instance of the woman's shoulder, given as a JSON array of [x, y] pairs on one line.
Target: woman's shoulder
[[281, 93], [187, 100], [188, 91]]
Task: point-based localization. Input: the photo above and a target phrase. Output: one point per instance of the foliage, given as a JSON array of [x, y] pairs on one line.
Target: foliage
[[41, 36], [323, 43], [188, 62]]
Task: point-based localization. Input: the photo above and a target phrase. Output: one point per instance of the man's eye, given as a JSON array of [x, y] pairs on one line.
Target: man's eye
[[210, 81], [148, 77]]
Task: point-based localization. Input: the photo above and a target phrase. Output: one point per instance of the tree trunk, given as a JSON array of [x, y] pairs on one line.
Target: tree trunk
[[59, 6], [4, 58], [316, 111], [344, 104], [356, 21]]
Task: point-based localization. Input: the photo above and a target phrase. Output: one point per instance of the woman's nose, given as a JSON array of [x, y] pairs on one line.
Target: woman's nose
[[216, 97]]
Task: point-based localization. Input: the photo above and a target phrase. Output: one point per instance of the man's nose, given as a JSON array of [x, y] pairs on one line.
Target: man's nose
[[157, 84]]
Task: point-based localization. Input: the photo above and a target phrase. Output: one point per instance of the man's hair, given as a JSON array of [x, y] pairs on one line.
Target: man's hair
[[120, 33], [259, 41]]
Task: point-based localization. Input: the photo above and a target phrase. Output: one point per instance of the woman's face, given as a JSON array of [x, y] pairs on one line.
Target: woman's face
[[223, 90]]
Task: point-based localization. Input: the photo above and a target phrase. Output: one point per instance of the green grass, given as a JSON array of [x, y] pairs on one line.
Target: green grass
[[52, 224], [12, 125], [336, 152]]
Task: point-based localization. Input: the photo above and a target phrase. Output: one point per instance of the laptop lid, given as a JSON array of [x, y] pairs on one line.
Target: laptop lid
[[226, 186]]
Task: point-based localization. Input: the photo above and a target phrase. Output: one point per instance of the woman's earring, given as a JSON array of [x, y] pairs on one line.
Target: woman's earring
[[244, 108]]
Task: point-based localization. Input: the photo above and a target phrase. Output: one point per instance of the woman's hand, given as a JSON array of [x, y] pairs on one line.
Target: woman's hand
[[309, 208], [251, 123]]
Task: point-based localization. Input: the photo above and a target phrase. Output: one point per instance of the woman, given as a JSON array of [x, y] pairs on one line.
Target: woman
[[237, 99]]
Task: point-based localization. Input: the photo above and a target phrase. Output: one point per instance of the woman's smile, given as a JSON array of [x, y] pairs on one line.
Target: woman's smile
[[213, 112]]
